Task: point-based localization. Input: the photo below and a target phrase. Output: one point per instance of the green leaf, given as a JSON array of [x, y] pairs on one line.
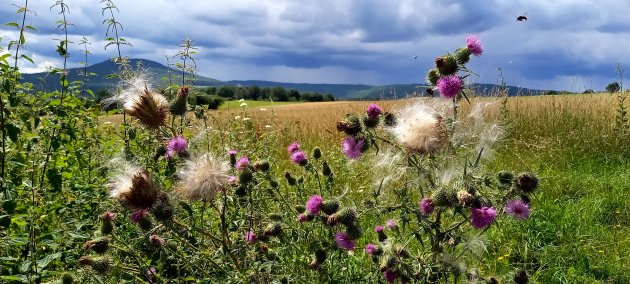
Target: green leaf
[[47, 259], [22, 39], [27, 58], [9, 206], [19, 278], [5, 221], [54, 178], [30, 28], [13, 131], [12, 25]]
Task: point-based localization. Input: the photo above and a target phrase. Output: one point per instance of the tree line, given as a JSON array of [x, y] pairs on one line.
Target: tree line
[[278, 94]]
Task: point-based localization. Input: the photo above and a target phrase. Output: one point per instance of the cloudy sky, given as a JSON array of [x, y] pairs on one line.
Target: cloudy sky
[[566, 44]]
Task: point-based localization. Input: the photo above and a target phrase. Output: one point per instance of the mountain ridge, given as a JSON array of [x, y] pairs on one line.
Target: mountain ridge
[[159, 74]]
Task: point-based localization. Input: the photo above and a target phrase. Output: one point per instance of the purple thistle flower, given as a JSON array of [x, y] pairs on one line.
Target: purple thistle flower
[[370, 249], [343, 241], [299, 158], [373, 111], [138, 216], [232, 180], [314, 204], [156, 240], [242, 163], [390, 276], [483, 217], [176, 145], [517, 208], [250, 237], [391, 224], [449, 86], [302, 218], [232, 152], [379, 229], [352, 147], [426, 205], [108, 216], [293, 147], [474, 45]]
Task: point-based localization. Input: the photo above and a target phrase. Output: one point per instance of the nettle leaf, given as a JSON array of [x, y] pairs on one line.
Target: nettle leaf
[[54, 178], [13, 131], [47, 259], [27, 58]]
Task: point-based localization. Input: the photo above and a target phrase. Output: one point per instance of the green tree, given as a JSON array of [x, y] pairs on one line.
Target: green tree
[[226, 92], [279, 94], [613, 87]]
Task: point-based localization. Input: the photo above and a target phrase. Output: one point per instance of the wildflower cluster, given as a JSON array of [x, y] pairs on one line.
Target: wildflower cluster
[[444, 76]]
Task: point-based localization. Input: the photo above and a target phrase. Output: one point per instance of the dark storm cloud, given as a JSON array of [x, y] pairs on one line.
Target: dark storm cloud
[[352, 41]]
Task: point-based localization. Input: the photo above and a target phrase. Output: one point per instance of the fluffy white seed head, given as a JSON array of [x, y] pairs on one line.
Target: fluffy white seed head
[[420, 129], [203, 177]]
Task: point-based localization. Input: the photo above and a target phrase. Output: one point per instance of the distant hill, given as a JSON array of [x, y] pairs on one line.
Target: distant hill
[[159, 74]]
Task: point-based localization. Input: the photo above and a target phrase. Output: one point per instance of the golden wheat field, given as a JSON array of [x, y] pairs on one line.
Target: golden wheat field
[[542, 116]]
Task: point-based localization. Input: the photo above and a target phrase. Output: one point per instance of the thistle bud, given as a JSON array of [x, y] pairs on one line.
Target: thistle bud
[[433, 76], [380, 231], [462, 55], [320, 256], [163, 210], [100, 265], [99, 245], [330, 206], [245, 176], [354, 231], [350, 125], [273, 229], [527, 182], [241, 190], [443, 197], [446, 65], [389, 119], [291, 180], [232, 154], [156, 241], [274, 183], [179, 105], [262, 166], [346, 216], [326, 171], [521, 277], [66, 279], [370, 122], [505, 178], [388, 262], [317, 153], [107, 226]]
